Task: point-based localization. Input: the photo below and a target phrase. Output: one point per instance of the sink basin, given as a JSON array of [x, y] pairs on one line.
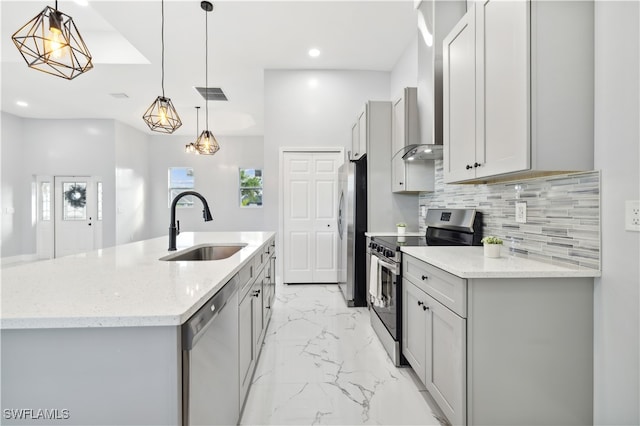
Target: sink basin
[[204, 252]]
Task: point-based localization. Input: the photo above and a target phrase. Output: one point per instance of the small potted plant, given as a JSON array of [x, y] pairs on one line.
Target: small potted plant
[[492, 246], [401, 228]]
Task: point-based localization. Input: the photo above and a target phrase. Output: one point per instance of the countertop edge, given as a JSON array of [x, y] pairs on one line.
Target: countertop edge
[[491, 267]]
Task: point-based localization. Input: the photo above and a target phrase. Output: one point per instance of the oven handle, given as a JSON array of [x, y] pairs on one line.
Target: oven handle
[[393, 268]]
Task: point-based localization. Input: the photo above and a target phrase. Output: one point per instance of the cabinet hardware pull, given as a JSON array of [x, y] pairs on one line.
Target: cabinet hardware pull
[[420, 303], [477, 165], [425, 308], [424, 277], [400, 183], [469, 167]]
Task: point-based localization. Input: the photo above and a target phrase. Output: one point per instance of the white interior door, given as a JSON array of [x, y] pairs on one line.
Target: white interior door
[[75, 214], [310, 217]]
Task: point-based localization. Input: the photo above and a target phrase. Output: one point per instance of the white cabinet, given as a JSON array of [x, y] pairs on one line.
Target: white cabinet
[[434, 344], [518, 91], [407, 176]]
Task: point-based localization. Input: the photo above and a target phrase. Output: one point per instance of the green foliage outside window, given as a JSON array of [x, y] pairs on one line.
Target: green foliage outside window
[[250, 188]]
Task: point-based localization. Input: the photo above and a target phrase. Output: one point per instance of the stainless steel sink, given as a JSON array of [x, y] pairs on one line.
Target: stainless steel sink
[[204, 252]]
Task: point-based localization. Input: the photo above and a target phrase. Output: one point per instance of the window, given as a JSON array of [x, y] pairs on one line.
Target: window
[[250, 188], [180, 180]]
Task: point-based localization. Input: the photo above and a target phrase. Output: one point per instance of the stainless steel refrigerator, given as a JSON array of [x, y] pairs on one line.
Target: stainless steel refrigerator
[[352, 224]]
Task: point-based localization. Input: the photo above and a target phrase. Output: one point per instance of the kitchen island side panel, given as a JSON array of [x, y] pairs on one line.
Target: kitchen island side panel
[[530, 351], [91, 376]]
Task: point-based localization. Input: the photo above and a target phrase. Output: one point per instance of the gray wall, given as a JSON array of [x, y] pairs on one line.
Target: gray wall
[[132, 184], [216, 178], [15, 188], [617, 155]]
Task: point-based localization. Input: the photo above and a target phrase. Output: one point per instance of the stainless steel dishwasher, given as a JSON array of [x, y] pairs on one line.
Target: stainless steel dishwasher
[[210, 387]]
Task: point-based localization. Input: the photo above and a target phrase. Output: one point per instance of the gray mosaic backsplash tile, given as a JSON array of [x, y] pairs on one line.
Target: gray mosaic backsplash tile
[[563, 214]]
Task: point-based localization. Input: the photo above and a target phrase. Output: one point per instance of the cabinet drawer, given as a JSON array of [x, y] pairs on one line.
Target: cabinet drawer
[[446, 288]]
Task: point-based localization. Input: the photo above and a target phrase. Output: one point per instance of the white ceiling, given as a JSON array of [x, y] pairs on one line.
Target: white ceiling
[[245, 38]]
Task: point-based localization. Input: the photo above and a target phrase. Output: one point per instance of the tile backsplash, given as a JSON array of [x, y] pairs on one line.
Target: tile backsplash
[[563, 214]]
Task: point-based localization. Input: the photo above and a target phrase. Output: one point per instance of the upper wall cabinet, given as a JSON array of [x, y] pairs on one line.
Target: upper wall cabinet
[[518, 91], [407, 176]]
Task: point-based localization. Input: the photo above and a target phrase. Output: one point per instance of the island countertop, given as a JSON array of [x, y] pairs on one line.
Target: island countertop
[[469, 262], [122, 286]]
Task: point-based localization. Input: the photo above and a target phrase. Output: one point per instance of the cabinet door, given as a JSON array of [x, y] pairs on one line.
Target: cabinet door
[[446, 360], [362, 133], [257, 315], [355, 140], [502, 81], [245, 337], [414, 332], [398, 129], [459, 100]]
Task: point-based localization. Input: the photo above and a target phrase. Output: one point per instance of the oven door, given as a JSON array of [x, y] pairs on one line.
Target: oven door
[[389, 281]]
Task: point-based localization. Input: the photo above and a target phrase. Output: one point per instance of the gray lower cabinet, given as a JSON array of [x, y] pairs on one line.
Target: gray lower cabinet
[[498, 351], [434, 345], [254, 313]]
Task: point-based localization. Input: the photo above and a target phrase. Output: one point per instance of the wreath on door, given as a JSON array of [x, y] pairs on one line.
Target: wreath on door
[[76, 196]]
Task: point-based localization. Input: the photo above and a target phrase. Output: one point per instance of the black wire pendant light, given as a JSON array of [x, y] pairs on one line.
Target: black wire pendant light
[[207, 143], [161, 116], [190, 148], [51, 43]]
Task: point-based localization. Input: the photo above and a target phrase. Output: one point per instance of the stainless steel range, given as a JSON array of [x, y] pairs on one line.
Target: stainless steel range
[[445, 227]]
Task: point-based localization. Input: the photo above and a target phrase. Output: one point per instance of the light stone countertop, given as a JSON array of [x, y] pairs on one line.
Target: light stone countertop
[[469, 262], [122, 286]]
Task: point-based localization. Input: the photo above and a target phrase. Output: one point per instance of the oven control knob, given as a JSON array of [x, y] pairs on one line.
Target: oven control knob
[[388, 253], [380, 249]]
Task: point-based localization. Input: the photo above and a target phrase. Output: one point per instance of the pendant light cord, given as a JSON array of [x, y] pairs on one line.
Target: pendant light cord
[[162, 38], [206, 63]]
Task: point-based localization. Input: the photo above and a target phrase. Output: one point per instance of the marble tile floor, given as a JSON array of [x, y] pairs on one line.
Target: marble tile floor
[[323, 364]]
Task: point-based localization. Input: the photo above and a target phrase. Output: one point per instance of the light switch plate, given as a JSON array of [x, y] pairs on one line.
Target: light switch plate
[[632, 216], [521, 212]]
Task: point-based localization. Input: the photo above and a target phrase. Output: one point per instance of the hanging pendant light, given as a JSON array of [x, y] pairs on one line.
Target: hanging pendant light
[[207, 143], [51, 43], [161, 116], [190, 148]]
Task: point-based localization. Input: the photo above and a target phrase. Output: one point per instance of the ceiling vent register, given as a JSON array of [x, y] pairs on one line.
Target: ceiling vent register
[[212, 93]]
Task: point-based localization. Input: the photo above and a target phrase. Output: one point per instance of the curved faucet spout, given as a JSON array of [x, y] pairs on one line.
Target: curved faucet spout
[[175, 230]]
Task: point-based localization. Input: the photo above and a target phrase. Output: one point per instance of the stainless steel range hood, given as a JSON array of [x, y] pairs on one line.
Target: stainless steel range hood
[[436, 18], [420, 152]]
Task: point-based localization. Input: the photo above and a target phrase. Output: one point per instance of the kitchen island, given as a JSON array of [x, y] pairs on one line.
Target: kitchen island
[[95, 338]]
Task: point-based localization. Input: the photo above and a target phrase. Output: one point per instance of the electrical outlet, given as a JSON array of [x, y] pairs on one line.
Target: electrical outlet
[[521, 212], [632, 216]]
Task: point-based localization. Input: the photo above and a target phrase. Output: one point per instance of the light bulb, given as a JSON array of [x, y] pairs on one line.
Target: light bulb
[[55, 45], [162, 111]]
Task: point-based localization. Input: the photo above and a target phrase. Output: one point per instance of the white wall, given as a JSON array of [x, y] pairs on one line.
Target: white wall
[[132, 184], [15, 189], [216, 178], [617, 154], [405, 71], [314, 108], [73, 147]]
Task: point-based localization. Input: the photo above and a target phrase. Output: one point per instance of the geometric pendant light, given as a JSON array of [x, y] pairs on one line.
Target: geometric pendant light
[[207, 143], [51, 43], [161, 116]]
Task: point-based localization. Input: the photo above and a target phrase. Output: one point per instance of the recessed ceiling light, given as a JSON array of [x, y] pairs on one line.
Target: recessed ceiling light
[[22, 104], [313, 82], [314, 53], [82, 2]]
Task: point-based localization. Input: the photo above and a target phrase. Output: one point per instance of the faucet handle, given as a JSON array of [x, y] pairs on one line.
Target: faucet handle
[[177, 227]]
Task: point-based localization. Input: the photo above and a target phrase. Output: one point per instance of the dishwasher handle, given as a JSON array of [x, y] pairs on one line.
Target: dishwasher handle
[[195, 326]]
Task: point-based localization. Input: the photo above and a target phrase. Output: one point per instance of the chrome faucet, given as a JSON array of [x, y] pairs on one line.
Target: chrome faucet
[[175, 230]]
